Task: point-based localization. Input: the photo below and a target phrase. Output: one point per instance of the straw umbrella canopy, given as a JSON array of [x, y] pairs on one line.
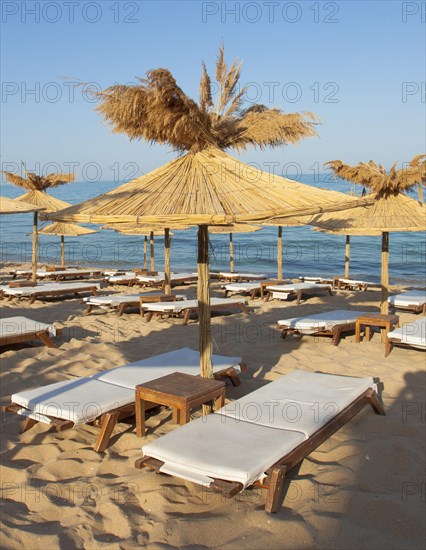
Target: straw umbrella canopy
[[391, 211], [37, 196], [12, 206], [205, 186], [149, 231], [65, 230], [231, 229]]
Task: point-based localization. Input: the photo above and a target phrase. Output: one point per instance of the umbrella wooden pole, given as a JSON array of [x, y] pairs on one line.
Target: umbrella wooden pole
[[203, 296], [385, 273], [231, 254], [35, 247], [347, 255], [151, 250], [145, 252], [62, 251], [280, 253], [167, 282]]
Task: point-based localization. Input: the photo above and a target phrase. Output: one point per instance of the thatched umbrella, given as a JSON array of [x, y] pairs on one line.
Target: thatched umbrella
[[149, 231], [391, 210], [65, 230], [231, 229], [12, 206], [205, 186], [37, 196]]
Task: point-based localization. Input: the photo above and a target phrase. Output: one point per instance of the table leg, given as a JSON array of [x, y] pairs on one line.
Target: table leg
[[185, 416], [140, 416], [219, 402], [357, 332], [367, 332], [176, 415]]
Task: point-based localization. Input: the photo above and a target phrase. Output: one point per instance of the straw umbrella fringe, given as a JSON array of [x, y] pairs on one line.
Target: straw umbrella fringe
[[36, 186], [12, 206]]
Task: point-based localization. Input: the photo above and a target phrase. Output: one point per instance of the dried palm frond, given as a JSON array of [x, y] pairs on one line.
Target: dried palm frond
[[33, 182], [157, 110], [374, 176]]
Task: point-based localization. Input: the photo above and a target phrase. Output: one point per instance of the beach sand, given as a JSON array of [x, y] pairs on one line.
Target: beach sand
[[363, 488]]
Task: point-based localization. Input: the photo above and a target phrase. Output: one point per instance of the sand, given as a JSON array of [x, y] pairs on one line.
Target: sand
[[363, 488]]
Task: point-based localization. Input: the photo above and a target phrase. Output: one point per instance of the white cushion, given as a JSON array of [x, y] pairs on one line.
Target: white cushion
[[409, 298], [16, 326], [357, 282], [117, 299], [314, 279], [81, 400], [182, 360], [411, 333], [241, 287], [300, 401], [66, 272], [50, 287], [215, 446], [322, 321], [125, 277], [177, 307], [297, 286], [255, 276]]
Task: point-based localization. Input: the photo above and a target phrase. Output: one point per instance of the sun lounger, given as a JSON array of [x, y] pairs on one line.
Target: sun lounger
[[257, 439], [132, 278], [313, 279], [186, 308], [411, 300], [47, 290], [67, 274], [14, 330], [297, 290], [329, 323], [121, 302], [253, 289], [410, 335], [352, 284], [48, 269], [109, 396], [240, 277]]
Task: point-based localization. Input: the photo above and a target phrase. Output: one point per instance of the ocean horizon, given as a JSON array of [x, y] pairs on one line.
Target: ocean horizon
[[305, 251]]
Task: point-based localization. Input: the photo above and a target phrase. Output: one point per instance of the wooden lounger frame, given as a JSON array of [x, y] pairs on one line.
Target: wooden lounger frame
[[51, 275], [335, 333], [298, 293], [238, 278], [391, 342], [187, 312], [344, 285], [41, 335], [274, 481], [411, 307], [47, 293], [107, 421], [123, 306]]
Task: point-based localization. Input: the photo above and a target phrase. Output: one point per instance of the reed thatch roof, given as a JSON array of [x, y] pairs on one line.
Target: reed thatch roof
[[11, 206], [34, 182], [139, 229], [205, 188], [157, 110], [43, 200], [66, 230], [234, 228], [387, 214]]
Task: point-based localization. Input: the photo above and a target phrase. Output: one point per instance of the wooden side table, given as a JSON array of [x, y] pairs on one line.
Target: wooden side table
[[385, 322], [182, 392]]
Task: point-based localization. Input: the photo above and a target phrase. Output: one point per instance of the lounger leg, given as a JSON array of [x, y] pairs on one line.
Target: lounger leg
[[186, 316], [275, 489], [243, 308], [375, 402], [149, 316], [298, 296], [88, 310], [27, 424], [109, 420], [389, 348], [226, 293], [284, 333], [33, 298], [121, 310], [337, 331], [42, 336]]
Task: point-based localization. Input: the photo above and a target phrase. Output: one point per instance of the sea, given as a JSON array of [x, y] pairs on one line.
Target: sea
[[305, 251]]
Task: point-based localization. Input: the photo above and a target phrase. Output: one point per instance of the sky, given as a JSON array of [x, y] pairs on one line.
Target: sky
[[359, 66]]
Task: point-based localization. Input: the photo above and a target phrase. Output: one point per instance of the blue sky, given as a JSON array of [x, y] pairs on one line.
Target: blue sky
[[349, 62]]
